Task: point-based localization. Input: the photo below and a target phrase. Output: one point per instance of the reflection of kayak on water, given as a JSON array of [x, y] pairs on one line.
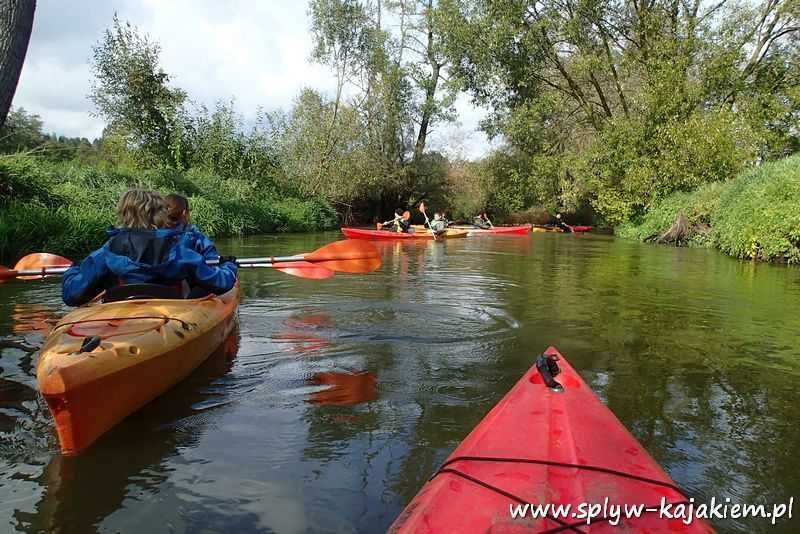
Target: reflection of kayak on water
[[551, 441], [132, 457], [365, 233], [344, 389]]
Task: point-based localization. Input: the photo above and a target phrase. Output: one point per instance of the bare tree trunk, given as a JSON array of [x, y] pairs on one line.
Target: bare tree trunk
[[430, 90], [16, 23]]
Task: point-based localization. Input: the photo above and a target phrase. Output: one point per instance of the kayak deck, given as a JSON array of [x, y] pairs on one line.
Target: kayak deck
[[542, 446], [145, 348], [497, 230]]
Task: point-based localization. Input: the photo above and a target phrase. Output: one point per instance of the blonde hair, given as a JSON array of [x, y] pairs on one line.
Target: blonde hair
[[142, 210]]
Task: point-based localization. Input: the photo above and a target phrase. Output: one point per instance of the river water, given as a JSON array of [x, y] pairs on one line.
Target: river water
[[336, 399]]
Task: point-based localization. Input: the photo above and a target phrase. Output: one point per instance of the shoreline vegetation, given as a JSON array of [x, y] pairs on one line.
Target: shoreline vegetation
[[673, 122], [755, 216]]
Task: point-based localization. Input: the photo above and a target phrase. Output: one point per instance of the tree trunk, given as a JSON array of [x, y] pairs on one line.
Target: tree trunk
[[16, 23], [430, 90]]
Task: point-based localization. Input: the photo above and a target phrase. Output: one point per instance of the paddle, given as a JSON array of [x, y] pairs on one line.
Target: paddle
[[33, 270], [348, 256], [422, 209]]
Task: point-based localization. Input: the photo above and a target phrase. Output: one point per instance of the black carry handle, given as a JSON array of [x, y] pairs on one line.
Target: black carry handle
[[548, 368]]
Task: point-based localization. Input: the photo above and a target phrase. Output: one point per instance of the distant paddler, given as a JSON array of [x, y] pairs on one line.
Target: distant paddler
[[482, 221], [400, 223], [558, 222], [439, 223]]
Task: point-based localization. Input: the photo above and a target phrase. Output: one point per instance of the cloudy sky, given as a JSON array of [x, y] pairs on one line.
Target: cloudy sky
[[254, 51]]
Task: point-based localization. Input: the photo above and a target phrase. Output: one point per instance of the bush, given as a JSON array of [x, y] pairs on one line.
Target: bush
[[69, 231], [65, 207], [697, 206], [754, 216], [759, 213], [22, 178], [632, 166]]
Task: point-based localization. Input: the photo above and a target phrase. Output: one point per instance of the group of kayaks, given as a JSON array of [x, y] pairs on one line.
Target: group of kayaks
[[549, 441], [454, 232]]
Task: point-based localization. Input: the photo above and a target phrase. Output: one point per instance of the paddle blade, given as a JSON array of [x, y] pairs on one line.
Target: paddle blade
[[348, 256], [422, 207], [39, 261], [304, 269]]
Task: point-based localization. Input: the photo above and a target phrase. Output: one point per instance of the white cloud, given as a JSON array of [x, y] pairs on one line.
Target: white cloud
[[254, 52]]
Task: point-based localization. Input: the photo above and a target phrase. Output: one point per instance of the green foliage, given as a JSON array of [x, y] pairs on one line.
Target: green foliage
[[466, 191], [132, 93], [223, 144], [23, 179], [631, 167], [65, 207], [21, 131], [596, 104], [759, 213], [698, 207], [754, 216], [67, 230]]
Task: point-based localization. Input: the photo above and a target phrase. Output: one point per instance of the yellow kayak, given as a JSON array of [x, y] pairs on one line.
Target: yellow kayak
[[104, 361], [424, 233]]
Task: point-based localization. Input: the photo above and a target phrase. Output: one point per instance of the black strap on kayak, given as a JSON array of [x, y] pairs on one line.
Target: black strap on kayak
[[490, 487], [186, 325], [564, 525], [551, 463]]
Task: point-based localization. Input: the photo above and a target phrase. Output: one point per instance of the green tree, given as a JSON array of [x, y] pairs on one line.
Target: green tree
[[22, 131], [620, 93], [132, 92]]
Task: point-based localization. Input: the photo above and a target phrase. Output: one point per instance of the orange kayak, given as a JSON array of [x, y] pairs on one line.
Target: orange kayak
[[104, 361]]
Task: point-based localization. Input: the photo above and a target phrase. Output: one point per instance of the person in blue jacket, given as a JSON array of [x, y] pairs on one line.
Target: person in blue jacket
[[179, 215], [142, 250]]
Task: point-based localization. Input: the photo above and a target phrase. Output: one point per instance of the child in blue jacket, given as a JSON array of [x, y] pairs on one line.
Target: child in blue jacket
[[179, 214], [142, 250]]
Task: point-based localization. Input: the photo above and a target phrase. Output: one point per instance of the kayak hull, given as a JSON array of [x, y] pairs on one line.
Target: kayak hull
[[364, 233], [572, 431], [575, 229], [497, 230], [146, 347]]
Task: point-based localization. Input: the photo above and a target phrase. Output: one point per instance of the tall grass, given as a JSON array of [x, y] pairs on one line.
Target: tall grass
[[65, 207]]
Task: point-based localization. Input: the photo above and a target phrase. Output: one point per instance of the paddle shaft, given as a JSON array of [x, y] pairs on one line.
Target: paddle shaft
[[245, 262], [422, 209]]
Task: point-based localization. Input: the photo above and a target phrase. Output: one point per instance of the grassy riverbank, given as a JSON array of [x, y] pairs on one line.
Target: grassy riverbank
[[754, 216], [64, 207]]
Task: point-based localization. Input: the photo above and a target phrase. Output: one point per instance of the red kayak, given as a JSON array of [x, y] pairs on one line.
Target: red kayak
[[582, 228], [554, 445]]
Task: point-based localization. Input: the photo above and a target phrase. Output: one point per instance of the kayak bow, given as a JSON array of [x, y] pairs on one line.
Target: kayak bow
[[541, 445]]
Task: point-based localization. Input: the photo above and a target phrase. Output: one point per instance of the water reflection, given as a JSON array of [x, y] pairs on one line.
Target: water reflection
[[343, 388], [36, 318], [346, 394], [133, 458]]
